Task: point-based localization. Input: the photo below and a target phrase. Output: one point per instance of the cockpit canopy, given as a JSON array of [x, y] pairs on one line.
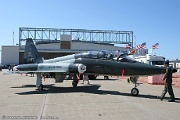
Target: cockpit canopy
[[106, 55]]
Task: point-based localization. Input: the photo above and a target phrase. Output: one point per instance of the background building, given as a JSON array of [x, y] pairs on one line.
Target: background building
[[53, 43], [175, 64]]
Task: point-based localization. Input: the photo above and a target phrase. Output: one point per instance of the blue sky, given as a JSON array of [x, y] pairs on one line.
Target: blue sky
[[151, 21]]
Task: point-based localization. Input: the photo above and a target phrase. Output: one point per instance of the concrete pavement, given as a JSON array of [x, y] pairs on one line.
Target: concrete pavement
[[103, 99]]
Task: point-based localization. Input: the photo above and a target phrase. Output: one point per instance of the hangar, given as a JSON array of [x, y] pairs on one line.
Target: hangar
[[52, 42]]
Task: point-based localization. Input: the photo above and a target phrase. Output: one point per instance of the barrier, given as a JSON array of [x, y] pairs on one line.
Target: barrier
[[156, 80]]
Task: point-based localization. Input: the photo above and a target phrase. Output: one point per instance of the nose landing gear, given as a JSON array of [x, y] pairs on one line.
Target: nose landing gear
[[134, 79]]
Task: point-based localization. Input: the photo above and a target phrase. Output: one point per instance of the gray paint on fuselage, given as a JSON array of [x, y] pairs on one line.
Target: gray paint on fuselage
[[60, 59], [53, 67]]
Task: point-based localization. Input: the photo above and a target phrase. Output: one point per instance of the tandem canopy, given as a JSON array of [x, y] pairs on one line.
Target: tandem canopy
[[106, 54]]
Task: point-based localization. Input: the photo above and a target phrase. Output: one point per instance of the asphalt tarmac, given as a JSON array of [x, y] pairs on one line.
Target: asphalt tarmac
[[101, 100]]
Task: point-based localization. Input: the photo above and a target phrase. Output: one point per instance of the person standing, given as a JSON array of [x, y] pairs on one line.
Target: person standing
[[86, 78], [9, 68], [168, 84]]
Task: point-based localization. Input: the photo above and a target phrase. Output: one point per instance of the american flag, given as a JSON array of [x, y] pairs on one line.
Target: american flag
[[129, 46], [141, 46], [155, 46]]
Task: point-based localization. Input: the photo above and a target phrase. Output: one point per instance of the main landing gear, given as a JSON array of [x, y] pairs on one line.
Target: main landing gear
[[74, 83], [39, 84], [75, 80], [40, 88]]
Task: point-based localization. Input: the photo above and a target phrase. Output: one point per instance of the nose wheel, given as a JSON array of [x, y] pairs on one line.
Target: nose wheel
[[134, 91]]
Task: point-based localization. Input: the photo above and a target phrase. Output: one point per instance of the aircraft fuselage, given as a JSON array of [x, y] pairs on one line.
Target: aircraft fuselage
[[113, 67]]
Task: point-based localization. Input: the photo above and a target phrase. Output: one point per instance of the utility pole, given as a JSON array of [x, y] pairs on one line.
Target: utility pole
[[13, 38]]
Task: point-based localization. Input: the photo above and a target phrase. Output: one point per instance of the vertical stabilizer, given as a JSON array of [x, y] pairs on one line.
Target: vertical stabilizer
[[31, 54]]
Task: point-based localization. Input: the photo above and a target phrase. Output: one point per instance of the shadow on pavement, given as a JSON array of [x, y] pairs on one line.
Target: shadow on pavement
[[106, 79], [93, 89], [29, 86]]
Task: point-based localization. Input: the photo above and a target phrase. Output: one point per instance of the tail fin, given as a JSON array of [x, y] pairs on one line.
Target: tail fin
[[31, 54]]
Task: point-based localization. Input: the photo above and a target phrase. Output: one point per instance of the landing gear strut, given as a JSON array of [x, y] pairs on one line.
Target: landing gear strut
[[75, 80], [40, 88], [39, 84]]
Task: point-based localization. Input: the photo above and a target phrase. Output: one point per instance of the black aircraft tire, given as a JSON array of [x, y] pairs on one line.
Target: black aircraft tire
[[74, 83], [134, 91]]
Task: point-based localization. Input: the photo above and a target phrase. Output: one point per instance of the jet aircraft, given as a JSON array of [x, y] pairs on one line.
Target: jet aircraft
[[102, 62]]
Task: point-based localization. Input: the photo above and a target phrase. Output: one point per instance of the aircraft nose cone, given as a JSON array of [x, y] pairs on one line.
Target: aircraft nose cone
[[160, 70], [154, 70]]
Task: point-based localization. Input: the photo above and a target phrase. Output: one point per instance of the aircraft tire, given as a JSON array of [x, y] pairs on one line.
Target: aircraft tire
[[134, 91], [74, 83]]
